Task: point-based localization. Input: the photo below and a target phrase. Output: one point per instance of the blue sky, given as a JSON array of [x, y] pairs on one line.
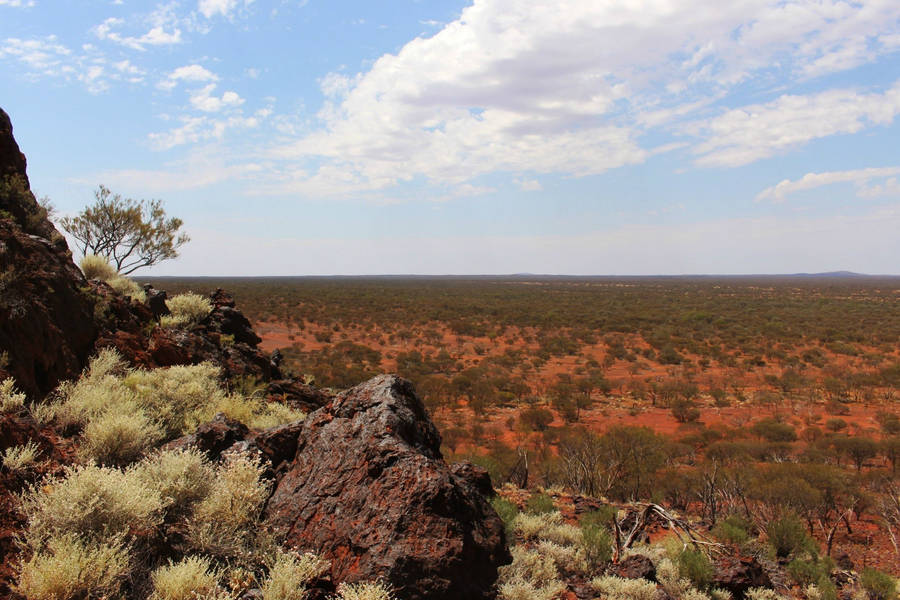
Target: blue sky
[[584, 137]]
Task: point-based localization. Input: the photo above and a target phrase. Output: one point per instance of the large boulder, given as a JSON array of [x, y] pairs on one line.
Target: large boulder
[[369, 490], [47, 327]]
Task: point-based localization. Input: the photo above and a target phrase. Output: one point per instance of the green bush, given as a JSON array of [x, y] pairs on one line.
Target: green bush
[[878, 585], [507, 512], [696, 567], [806, 571], [787, 536], [539, 504], [734, 529], [597, 544]]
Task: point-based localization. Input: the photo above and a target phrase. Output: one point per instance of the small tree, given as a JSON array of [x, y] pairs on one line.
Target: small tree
[[129, 233]]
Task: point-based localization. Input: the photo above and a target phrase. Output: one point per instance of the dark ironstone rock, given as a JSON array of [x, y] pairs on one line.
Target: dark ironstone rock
[[369, 490], [636, 566], [737, 574], [212, 437]]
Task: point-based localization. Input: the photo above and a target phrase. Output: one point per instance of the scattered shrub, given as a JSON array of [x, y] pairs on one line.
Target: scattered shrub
[[97, 267], [878, 585], [290, 573], [10, 399], [539, 504], [189, 579], [20, 458], [69, 568]]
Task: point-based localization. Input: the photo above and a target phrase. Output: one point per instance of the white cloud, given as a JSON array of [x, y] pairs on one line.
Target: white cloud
[[17, 3], [44, 56], [192, 73], [746, 134], [211, 8], [200, 129], [529, 185], [203, 99], [862, 178], [163, 31], [571, 86], [202, 167]]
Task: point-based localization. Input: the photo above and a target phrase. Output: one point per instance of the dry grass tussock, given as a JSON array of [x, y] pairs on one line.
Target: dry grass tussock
[[619, 588], [187, 309], [70, 567], [107, 519], [188, 579], [546, 526], [21, 458], [365, 591], [97, 267], [11, 400], [125, 412], [290, 573]]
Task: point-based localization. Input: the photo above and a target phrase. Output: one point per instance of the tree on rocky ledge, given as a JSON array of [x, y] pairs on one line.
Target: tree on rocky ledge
[[129, 233]]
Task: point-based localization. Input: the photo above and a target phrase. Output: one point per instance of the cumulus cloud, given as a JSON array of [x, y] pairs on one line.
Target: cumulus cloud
[[746, 134], [862, 178], [191, 73], [195, 129], [203, 99], [163, 30], [45, 56], [571, 87], [225, 8]]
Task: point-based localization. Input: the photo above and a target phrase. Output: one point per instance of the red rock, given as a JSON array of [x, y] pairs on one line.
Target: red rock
[[369, 490], [46, 313]]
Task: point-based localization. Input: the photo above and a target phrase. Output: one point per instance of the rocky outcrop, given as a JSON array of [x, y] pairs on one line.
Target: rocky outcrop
[[47, 328], [369, 490], [737, 574]]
